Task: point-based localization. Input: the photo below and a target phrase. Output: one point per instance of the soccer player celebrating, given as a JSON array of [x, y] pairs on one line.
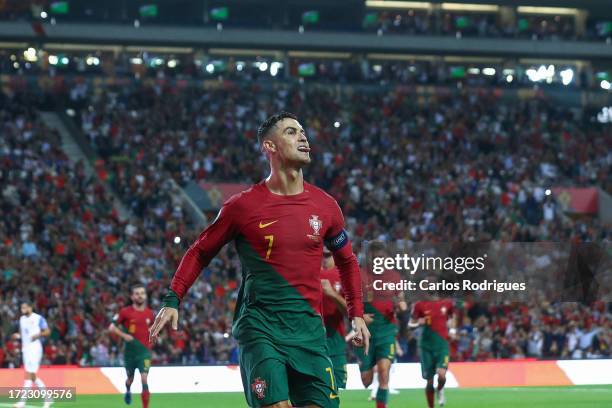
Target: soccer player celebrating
[[279, 227], [434, 315], [380, 308], [333, 310], [32, 328], [132, 325]]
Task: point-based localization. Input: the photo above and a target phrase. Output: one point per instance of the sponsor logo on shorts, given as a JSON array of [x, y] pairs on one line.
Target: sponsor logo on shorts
[[259, 388]]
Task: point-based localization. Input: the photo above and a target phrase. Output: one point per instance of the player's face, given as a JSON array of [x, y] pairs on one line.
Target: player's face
[[26, 309], [139, 296], [289, 142]]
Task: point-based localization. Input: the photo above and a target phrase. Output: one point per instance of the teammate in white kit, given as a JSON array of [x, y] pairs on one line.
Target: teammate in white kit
[[32, 327]]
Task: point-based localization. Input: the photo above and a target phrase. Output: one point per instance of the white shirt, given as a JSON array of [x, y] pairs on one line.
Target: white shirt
[[30, 326]]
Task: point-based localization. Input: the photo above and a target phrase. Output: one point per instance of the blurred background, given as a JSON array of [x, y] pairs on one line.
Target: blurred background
[[126, 124]]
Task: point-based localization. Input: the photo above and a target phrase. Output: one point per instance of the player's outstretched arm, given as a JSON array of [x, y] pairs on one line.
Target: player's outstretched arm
[[200, 253], [338, 242]]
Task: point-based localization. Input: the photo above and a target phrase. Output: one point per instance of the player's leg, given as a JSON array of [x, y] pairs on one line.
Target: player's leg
[[440, 388], [366, 363], [374, 384], [384, 353], [264, 375], [130, 369], [311, 378], [442, 358], [31, 362], [143, 367], [28, 382], [428, 371]]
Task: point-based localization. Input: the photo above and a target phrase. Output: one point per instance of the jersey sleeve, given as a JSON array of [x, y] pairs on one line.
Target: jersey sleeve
[[42, 324], [338, 242], [200, 253], [119, 318]]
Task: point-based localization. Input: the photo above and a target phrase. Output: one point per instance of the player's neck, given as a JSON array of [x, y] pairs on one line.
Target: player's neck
[[139, 308], [288, 181]]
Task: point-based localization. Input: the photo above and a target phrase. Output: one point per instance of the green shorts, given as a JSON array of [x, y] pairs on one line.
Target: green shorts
[[340, 373], [433, 358], [272, 373], [381, 346], [142, 362]]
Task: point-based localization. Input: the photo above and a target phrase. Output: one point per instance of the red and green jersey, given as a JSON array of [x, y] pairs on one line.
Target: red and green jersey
[[381, 303], [436, 314], [279, 240], [332, 315], [136, 323]]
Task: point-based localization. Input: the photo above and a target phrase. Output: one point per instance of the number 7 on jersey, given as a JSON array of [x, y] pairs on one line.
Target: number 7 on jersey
[[269, 238]]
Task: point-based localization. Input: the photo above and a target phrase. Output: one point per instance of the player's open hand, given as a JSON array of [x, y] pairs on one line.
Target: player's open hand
[[165, 315], [362, 334]]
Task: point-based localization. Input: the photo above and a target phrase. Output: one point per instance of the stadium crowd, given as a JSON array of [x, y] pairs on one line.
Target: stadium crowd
[[469, 165]]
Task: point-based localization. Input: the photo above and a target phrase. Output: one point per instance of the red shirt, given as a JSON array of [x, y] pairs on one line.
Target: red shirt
[[333, 318], [287, 233], [383, 301], [436, 314], [136, 323]]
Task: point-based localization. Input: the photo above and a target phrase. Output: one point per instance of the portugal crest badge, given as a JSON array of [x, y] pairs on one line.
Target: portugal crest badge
[[316, 224], [259, 388]]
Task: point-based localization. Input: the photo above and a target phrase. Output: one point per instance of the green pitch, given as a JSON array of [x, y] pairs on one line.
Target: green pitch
[[539, 397]]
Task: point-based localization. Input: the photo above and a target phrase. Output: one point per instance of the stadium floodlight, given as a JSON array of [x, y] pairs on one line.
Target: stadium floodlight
[[605, 85], [172, 63], [488, 71], [92, 60], [390, 4], [177, 240], [567, 75], [43, 14], [548, 192], [65, 61], [210, 68], [263, 66], [30, 55], [53, 60], [274, 67], [239, 66], [509, 78], [483, 8], [136, 61], [336, 124], [559, 11], [473, 71]]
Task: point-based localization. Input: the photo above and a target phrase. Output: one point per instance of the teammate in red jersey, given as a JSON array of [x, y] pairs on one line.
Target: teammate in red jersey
[[434, 315], [132, 325], [279, 227], [380, 307], [333, 311]]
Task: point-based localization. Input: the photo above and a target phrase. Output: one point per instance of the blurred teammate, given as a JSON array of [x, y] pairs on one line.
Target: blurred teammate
[[380, 307], [132, 325], [333, 311], [32, 328], [434, 316], [279, 226]]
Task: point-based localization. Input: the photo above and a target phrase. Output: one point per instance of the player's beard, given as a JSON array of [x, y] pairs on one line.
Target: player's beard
[[139, 302]]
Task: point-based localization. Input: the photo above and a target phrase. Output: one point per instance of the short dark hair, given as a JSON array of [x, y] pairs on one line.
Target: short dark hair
[[377, 246], [269, 123], [137, 286], [25, 302]]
